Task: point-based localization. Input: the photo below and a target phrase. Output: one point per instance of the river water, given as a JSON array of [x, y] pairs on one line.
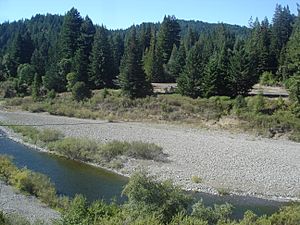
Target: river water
[[71, 177]]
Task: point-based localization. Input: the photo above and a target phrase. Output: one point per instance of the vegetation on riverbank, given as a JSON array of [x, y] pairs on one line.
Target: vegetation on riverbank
[[149, 202], [31, 183], [267, 117], [110, 154]]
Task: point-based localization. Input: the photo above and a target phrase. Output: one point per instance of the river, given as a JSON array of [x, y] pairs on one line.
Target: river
[[71, 177]]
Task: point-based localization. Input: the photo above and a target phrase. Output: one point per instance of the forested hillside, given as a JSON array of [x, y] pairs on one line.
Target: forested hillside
[[70, 53]]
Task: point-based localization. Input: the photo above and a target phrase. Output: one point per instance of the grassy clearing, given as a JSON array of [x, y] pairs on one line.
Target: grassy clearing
[[110, 154], [267, 117]]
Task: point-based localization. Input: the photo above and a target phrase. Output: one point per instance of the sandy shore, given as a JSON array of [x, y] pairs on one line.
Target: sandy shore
[[238, 163]]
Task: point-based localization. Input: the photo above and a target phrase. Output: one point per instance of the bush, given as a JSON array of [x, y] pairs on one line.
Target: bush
[[196, 179], [28, 182], [50, 135], [74, 148], [147, 195], [31, 133], [267, 78], [212, 215], [80, 91], [8, 89]]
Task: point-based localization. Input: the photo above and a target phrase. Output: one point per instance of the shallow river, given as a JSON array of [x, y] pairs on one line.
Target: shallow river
[[72, 178]]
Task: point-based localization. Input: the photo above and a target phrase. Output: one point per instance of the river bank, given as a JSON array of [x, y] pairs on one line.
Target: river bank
[[29, 207], [239, 164]]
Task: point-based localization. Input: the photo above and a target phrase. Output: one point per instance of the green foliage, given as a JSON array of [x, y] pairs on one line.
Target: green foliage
[[256, 104], [29, 182], [8, 89], [150, 196], [196, 179], [293, 85], [101, 72], [267, 78], [50, 135], [74, 148], [190, 81], [212, 215], [132, 78], [36, 86], [72, 78], [80, 91]]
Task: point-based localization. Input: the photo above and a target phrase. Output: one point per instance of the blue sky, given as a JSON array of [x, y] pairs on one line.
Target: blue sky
[[123, 13]]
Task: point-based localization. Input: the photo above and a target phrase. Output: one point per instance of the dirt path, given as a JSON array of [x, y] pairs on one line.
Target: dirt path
[[240, 163]]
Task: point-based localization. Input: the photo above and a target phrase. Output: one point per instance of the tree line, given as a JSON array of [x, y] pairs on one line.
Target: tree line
[[70, 53]]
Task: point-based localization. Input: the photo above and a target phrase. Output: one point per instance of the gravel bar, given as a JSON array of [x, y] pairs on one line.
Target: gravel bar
[[29, 207], [239, 163]]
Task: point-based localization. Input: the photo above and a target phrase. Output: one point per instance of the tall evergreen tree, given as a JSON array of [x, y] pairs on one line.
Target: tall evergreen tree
[[101, 71], [132, 78], [190, 81], [81, 59], [69, 36], [291, 66], [150, 60], [168, 35], [176, 62], [240, 76], [118, 51], [281, 31]]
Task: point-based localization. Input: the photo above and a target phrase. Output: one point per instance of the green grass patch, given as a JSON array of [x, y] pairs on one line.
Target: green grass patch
[[196, 179]]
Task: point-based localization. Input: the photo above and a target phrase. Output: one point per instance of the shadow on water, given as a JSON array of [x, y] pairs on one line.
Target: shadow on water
[[71, 177]]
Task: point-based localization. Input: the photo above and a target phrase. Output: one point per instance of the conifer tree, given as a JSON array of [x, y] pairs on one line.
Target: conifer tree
[[291, 66], [37, 83], [132, 78], [70, 33], [190, 81], [150, 60], [176, 62], [168, 35], [81, 59], [240, 77], [101, 71]]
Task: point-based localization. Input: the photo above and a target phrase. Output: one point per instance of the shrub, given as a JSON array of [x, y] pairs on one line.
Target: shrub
[[8, 89], [80, 91], [145, 194], [7, 168], [50, 135], [141, 150], [212, 215], [196, 179], [29, 132], [267, 78], [74, 148]]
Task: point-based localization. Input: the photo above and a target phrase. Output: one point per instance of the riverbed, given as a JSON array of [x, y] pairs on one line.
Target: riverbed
[[71, 177]]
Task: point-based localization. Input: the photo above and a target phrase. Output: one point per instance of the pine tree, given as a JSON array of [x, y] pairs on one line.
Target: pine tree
[[291, 66], [101, 72], [190, 81], [176, 62], [168, 35], [150, 60], [81, 59], [70, 33], [37, 83], [210, 76], [280, 32], [240, 77], [132, 78], [118, 51]]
